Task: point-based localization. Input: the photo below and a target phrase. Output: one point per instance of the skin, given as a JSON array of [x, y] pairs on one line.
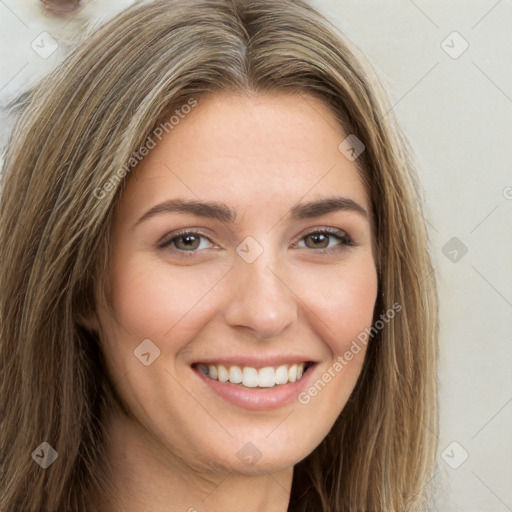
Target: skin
[[174, 447]]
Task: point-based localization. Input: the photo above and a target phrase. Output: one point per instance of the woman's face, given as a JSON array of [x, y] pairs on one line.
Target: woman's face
[[256, 290]]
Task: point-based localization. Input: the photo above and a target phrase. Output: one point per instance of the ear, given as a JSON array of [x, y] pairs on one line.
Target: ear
[[89, 321]]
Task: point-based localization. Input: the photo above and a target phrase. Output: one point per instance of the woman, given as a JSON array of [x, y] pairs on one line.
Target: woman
[[285, 362]]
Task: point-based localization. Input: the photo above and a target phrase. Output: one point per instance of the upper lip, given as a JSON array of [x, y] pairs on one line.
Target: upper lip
[[255, 361]]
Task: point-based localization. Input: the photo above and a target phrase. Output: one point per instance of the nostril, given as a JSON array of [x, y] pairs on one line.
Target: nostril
[[61, 6]]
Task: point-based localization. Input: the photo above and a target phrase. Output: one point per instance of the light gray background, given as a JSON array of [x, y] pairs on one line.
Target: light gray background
[[457, 112]]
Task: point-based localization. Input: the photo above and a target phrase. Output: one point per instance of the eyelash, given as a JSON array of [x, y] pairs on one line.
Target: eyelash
[[336, 233]]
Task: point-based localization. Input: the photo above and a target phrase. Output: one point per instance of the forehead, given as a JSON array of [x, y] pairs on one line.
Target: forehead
[[260, 152]]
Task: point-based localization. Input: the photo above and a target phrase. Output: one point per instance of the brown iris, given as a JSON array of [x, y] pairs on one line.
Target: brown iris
[[319, 238], [190, 241]]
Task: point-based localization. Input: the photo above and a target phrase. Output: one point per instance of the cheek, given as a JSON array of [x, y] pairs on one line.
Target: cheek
[[151, 298], [344, 304], [340, 312]]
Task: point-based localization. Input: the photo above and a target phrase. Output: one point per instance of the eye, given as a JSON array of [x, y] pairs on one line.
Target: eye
[[321, 239], [186, 241]]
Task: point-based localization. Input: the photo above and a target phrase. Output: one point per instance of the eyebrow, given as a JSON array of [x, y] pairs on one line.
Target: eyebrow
[[224, 213]]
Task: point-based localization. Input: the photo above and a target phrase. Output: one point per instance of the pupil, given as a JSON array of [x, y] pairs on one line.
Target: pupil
[[319, 238], [189, 240]]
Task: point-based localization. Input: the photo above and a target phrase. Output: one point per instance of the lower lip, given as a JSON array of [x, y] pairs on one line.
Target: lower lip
[[260, 399]]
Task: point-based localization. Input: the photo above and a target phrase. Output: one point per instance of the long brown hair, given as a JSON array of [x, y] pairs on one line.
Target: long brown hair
[[64, 172]]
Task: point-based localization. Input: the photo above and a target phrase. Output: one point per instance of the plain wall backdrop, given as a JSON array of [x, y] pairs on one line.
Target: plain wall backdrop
[[447, 68]]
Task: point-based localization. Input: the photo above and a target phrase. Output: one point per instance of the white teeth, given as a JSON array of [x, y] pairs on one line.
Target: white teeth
[[213, 371], [250, 377], [266, 377], [223, 374], [292, 373], [235, 375], [281, 374]]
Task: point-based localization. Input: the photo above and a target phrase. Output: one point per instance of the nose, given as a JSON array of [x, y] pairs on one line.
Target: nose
[[260, 300]]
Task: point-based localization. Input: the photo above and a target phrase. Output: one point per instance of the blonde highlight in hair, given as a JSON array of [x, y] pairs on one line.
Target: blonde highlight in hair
[[78, 129]]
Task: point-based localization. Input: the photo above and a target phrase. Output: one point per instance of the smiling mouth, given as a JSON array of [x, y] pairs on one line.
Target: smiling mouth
[[250, 377]]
